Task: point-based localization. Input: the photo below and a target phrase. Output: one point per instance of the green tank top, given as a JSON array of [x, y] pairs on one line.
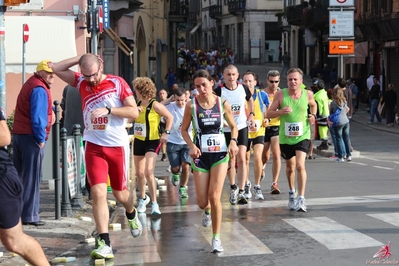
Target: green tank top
[[294, 127]]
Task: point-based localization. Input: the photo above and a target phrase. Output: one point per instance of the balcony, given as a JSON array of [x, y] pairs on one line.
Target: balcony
[[236, 7], [178, 11], [215, 11], [294, 14], [379, 26], [192, 16]]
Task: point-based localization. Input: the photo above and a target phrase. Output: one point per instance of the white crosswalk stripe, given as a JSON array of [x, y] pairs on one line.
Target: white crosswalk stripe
[[230, 233], [332, 234], [391, 218]]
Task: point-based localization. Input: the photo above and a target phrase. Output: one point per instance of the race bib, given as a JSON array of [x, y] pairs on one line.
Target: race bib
[[100, 123], [293, 129], [140, 130], [257, 126], [235, 109], [213, 143]]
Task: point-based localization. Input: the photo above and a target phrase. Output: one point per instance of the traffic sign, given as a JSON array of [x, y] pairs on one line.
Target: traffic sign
[[100, 19], [341, 47], [342, 2], [25, 32], [341, 24]]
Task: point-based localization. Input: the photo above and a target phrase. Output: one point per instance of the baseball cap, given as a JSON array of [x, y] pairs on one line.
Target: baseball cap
[[43, 65], [315, 81], [321, 85]]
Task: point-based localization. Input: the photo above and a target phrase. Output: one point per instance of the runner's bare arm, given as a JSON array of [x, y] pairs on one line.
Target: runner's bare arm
[[273, 111], [62, 69]]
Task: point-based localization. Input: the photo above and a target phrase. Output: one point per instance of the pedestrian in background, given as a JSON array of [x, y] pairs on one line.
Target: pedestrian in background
[[374, 94], [107, 141], [291, 105], [209, 150], [32, 123], [170, 78], [11, 195], [390, 99], [286, 59]]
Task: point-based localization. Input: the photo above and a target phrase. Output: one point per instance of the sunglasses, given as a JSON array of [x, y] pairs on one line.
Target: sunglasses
[[92, 75], [274, 81]]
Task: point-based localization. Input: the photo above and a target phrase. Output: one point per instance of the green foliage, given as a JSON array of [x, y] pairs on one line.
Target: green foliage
[[10, 120]]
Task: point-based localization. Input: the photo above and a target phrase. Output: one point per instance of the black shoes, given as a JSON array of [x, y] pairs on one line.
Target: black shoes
[[38, 223]]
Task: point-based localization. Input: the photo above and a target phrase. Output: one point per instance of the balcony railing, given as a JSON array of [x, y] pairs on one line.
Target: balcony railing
[[192, 16], [178, 8], [294, 14], [236, 6], [215, 11]]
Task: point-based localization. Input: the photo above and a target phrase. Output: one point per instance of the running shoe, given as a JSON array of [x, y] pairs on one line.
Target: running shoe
[[206, 219], [241, 199], [301, 205], [183, 192], [291, 201], [136, 228], [233, 195], [103, 251], [155, 208], [216, 245], [274, 189], [349, 158], [258, 193], [175, 179], [339, 160], [247, 190], [163, 159], [143, 203]]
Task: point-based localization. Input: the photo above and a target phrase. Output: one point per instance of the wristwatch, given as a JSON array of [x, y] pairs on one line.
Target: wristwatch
[[167, 132], [109, 109], [234, 140]]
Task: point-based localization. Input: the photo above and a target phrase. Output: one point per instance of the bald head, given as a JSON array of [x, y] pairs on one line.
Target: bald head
[[88, 60]]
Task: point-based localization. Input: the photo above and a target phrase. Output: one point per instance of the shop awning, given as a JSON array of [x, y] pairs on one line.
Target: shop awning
[[51, 38], [195, 28], [121, 44], [162, 45], [361, 53]]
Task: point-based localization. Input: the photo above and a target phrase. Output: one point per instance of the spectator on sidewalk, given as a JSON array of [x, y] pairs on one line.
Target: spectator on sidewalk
[[325, 73], [107, 141], [32, 124], [314, 70], [11, 195], [170, 78], [374, 101], [390, 99], [333, 77]]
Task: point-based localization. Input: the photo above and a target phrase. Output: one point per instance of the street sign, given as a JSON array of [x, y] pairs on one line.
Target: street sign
[[25, 33], [100, 19], [342, 3], [341, 47], [341, 24]]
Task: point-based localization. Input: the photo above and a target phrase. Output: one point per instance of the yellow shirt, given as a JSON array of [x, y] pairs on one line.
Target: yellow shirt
[[146, 125]]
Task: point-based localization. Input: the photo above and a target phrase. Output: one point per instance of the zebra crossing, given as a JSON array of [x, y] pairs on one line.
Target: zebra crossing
[[331, 234]]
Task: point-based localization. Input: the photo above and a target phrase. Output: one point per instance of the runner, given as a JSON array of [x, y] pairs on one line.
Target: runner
[[177, 149], [238, 96], [257, 135], [271, 141], [209, 150], [291, 105]]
